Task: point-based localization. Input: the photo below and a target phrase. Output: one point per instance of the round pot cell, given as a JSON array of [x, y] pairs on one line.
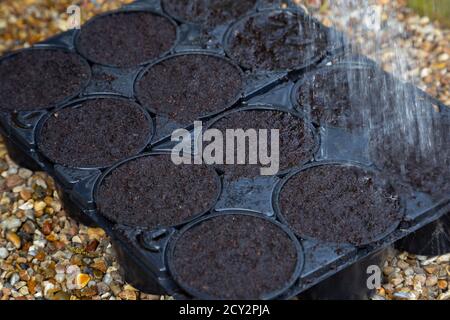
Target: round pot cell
[[417, 153], [339, 203], [297, 139], [207, 12], [276, 40], [186, 87], [151, 192], [235, 256], [95, 133], [38, 78], [347, 97], [126, 38]]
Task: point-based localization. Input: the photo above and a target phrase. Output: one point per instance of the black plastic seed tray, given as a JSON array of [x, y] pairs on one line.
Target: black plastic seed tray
[[189, 39], [313, 266]]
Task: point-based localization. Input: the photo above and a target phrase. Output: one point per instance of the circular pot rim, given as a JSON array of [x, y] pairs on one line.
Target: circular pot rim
[[307, 63], [79, 103], [200, 23], [324, 70], [239, 95], [403, 179], [345, 163], [274, 107], [195, 216], [268, 296], [49, 47], [126, 10]]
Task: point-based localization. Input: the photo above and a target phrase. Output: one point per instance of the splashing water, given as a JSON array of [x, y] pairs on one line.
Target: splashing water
[[407, 133]]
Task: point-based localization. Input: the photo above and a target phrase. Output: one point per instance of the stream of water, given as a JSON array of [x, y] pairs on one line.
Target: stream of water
[[407, 120]]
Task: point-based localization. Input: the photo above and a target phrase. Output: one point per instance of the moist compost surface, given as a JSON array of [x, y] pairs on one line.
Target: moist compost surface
[[296, 145], [234, 257], [418, 156], [348, 98], [152, 191], [208, 12], [39, 79], [187, 87], [339, 204], [276, 41], [97, 133], [126, 39]]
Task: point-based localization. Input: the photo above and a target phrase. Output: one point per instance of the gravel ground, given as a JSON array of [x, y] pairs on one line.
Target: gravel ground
[[45, 254]]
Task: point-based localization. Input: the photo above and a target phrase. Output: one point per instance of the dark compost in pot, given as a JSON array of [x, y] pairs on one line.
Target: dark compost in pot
[[416, 155], [126, 39], [276, 40], [95, 133], [297, 144], [235, 256], [151, 191], [210, 12], [339, 204], [37, 79], [188, 86]]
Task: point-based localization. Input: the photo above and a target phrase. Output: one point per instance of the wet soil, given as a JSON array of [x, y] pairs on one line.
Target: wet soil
[[40, 79], [95, 133], [152, 192], [339, 204], [234, 257]]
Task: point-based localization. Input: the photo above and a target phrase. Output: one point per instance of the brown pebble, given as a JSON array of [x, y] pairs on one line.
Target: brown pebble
[[402, 265], [52, 237], [128, 295], [25, 194], [60, 295], [31, 286], [88, 292], [28, 227], [14, 239], [73, 231], [38, 214], [431, 281], [40, 255], [77, 259], [431, 269], [13, 181], [100, 265], [388, 270], [115, 288], [59, 245], [47, 228], [26, 246], [48, 200], [95, 233], [92, 246], [24, 276], [82, 280], [442, 284], [21, 260]]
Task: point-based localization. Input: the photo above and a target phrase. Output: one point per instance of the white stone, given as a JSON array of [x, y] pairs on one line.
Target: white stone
[[25, 173], [14, 279], [27, 205], [444, 259], [444, 57], [11, 223], [3, 253]]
